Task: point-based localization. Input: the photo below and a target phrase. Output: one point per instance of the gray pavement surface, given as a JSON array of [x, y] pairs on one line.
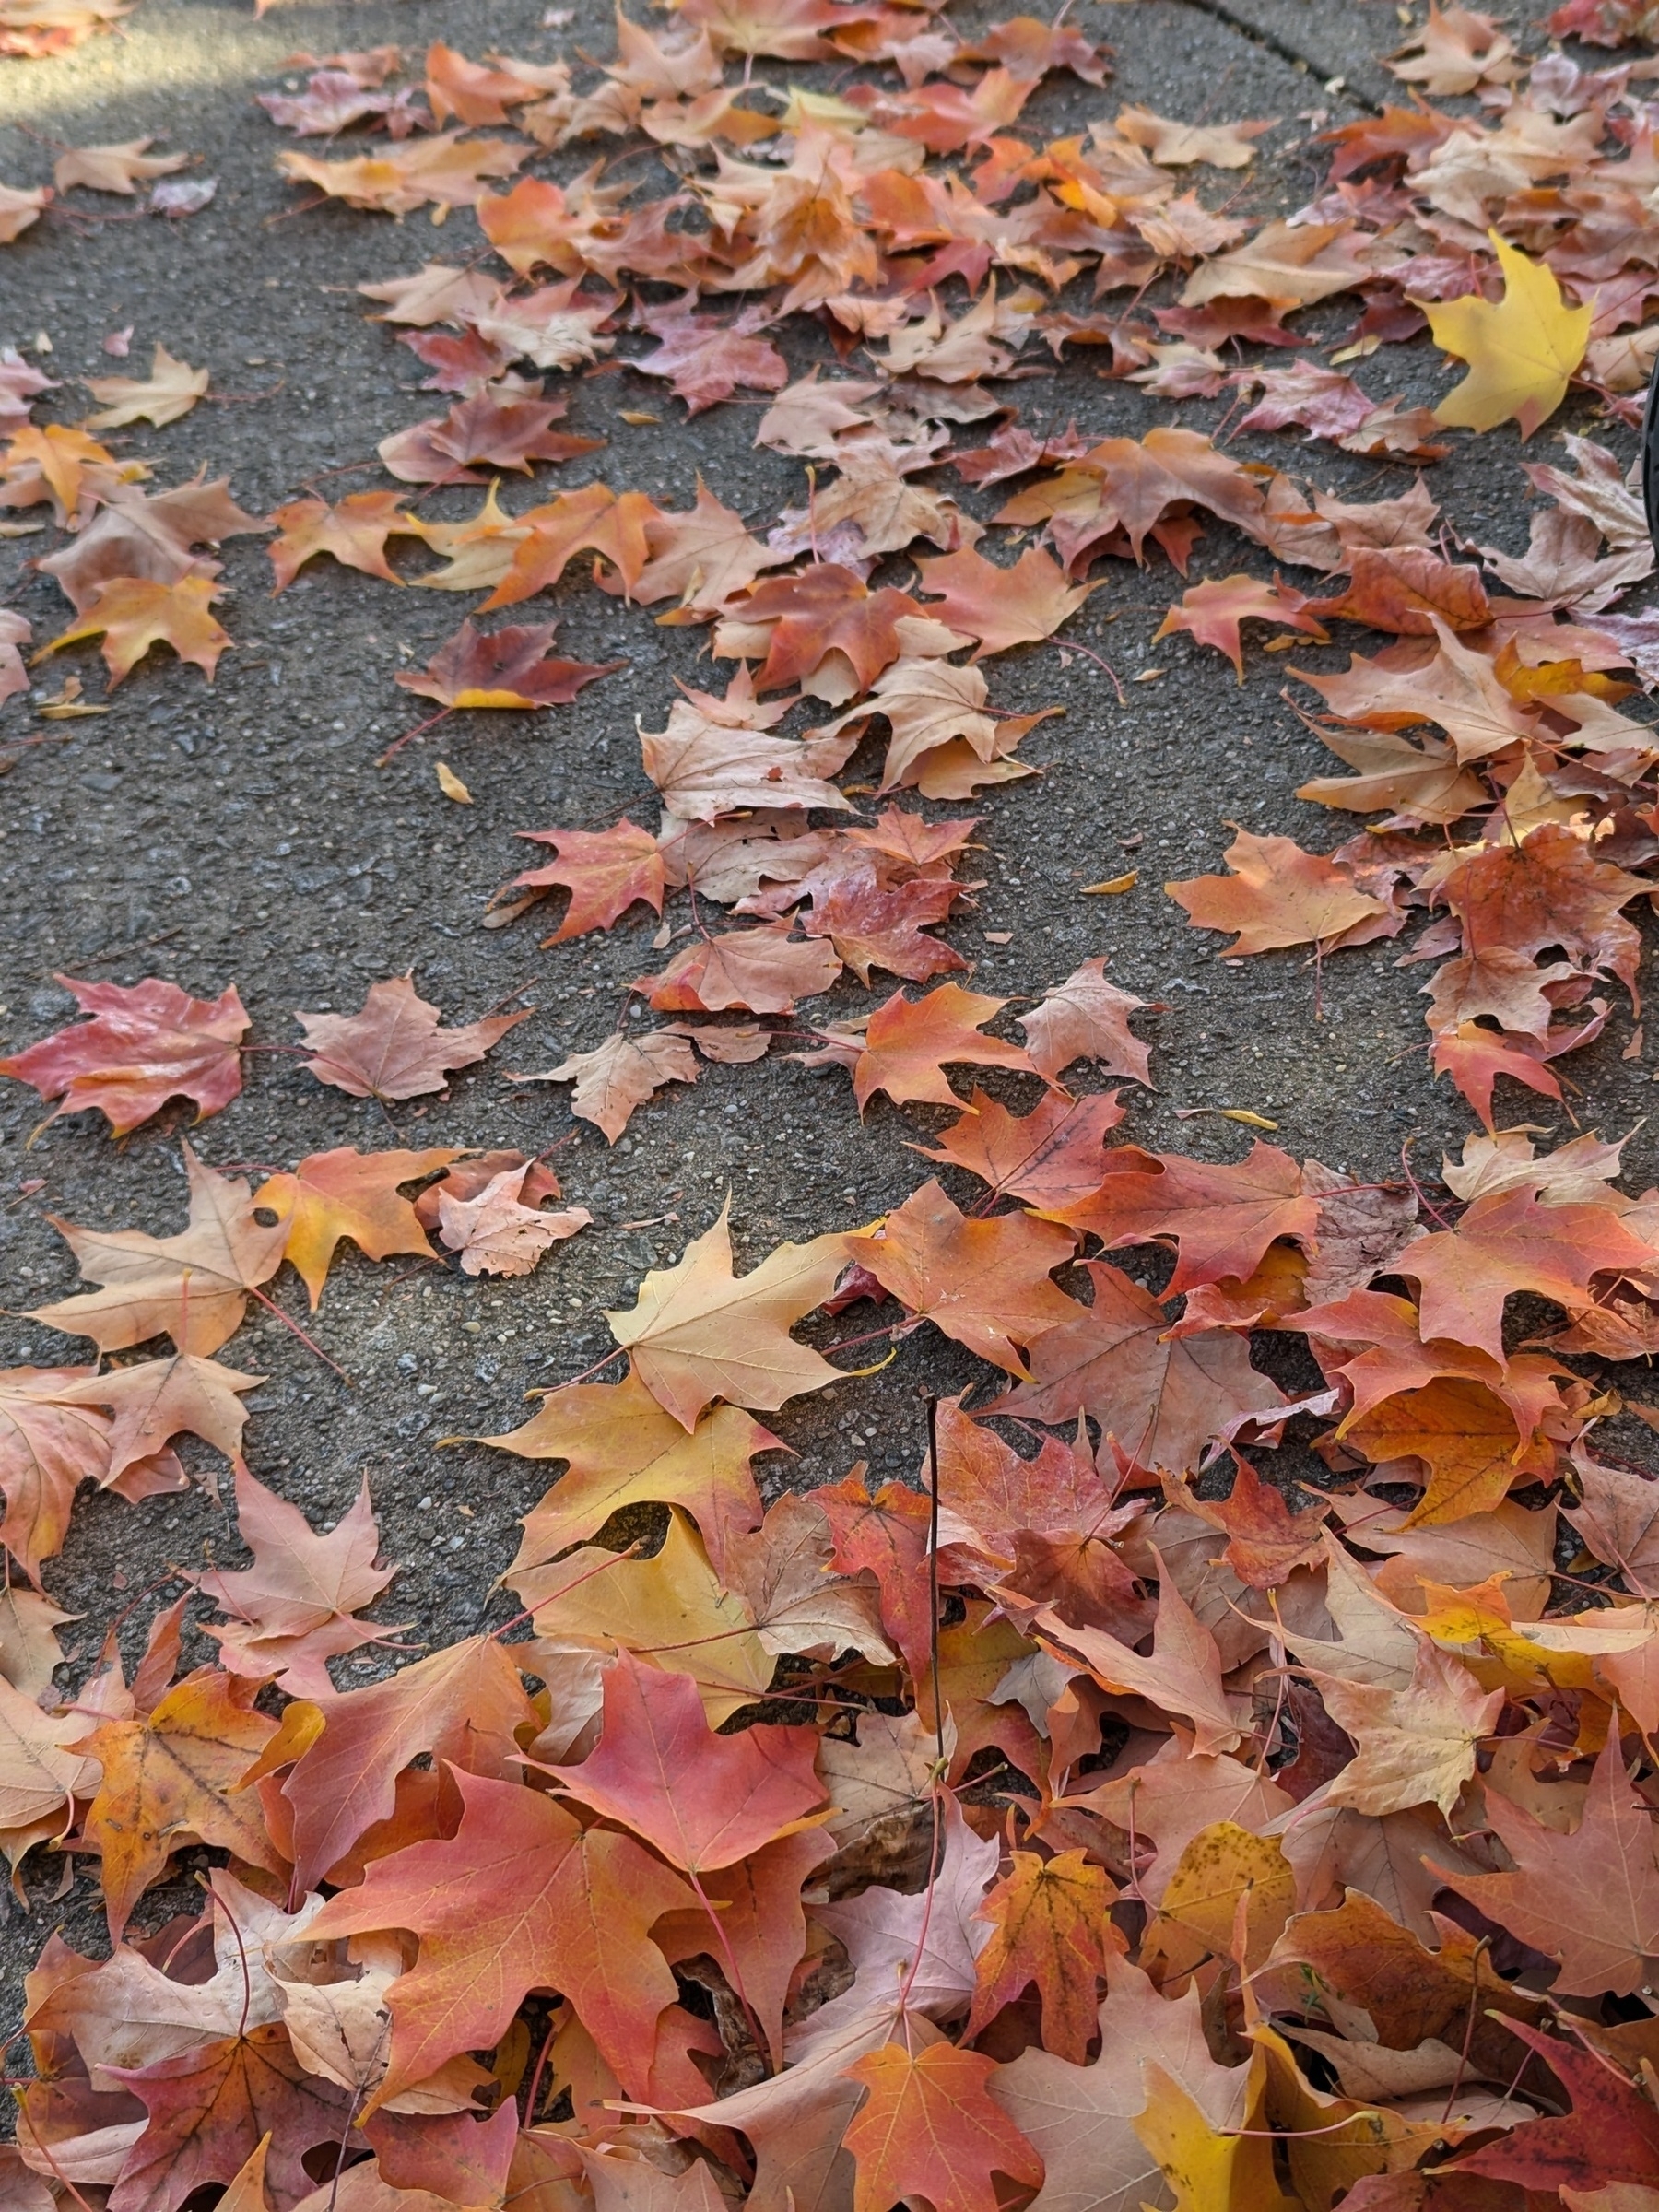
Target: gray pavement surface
[[241, 832]]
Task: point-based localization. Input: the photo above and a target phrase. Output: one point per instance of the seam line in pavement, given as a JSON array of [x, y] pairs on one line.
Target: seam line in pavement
[[1272, 43]]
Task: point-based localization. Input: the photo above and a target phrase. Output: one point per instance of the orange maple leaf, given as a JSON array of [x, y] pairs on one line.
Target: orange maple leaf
[[1213, 611], [1278, 895], [929, 2128], [909, 1041], [131, 614]]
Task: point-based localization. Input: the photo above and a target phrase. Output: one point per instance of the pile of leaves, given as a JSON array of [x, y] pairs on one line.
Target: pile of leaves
[[1107, 1818]]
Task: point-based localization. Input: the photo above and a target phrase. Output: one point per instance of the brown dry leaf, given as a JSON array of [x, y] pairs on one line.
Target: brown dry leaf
[[159, 1399], [621, 1074], [716, 758], [702, 559], [1290, 264], [908, 1042], [193, 1287], [170, 390], [294, 1609], [132, 615], [448, 170], [496, 1233], [1086, 1018], [19, 210], [393, 1048], [985, 1283], [696, 1332], [1278, 895], [355, 532], [1002, 606], [1178, 145], [120, 169], [1457, 50], [149, 539], [943, 741], [172, 1775], [762, 970], [1416, 1744]]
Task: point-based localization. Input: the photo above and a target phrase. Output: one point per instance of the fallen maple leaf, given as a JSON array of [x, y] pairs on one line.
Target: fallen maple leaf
[[764, 971], [1522, 352], [824, 612], [985, 1283], [47, 1449], [1050, 1157], [621, 1074], [1164, 1398], [874, 927], [945, 741], [475, 93], [1001, 607], [702, 559], [696, 1332], [1416, 1744], [507, 668], [909, 1041], [146, 538], [131, 614], [929, 2129], [1508, 1244], [1462, 1433], [170, 390], [1224, 1216], [752, 1787], [706, 360], [193, 1287], [623, 1449], [1053, 1929], [1610, 2137], [211, 2107], [1178, 145], [348, 1194], [1212, 613], [1182, 1675], [714, 758], [38, 1776], [590, 520], [30, 1651], [120, 169], [884, 1532], [1086, 1018], [354, 533], [671, 1608], [393, 1048], [1589, 1899], [1290, 263], [521, 1896], [144, 1043], [1413, 593], [1081, 2118], [496, 1233], [291, 1610], [159, 1399], [462, 1704], [19, 208], [447, 169], [174, 1774], [1277, 895], [484, 429]]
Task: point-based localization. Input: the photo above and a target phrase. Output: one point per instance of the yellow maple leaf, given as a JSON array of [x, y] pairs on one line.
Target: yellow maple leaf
[[1522, 351]]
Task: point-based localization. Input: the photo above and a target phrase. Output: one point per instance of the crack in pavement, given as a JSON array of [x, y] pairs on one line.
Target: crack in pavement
[[1270, 42]]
